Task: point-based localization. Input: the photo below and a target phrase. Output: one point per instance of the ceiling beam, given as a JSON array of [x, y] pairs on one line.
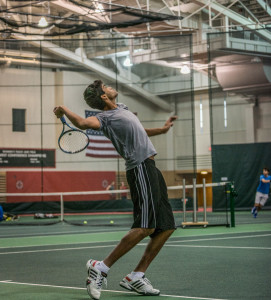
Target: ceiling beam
[[82, 11], [265, 6], [99, 70], [219, 8]]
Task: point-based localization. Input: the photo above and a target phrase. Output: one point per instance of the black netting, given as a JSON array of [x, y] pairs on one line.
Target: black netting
[[121, 16]]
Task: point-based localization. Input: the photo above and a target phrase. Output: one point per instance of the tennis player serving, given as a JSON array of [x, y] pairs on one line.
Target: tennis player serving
[[153, 215]]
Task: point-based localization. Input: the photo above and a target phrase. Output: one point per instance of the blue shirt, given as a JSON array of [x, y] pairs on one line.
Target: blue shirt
[[1, 213], [127, 135], [264, 187]]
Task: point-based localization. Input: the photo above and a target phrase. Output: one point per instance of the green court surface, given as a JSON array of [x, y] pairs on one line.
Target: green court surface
[[48, 262]]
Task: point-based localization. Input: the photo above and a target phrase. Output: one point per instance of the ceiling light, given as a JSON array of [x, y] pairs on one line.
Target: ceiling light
[[138, 50], [43, 22], [185, 69], [99, 8], [127, 62], [204, 172], [256, 60], [10, 60]]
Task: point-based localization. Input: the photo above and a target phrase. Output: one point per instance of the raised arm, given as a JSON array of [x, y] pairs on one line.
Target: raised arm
[[79, 122], [164, 129]]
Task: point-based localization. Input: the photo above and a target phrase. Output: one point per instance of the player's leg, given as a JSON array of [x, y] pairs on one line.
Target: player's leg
[[258, 207], [136, 280], [263, 200], [143, 226], [132, 238], [254, 210], [153, 248], [97, 270], [165, 226], [259, 202]]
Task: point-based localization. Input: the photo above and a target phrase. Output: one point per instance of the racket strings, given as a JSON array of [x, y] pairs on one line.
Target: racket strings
[[73, 141]]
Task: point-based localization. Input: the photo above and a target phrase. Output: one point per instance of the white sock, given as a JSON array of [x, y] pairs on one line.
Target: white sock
[[137, 275], [102, 267]]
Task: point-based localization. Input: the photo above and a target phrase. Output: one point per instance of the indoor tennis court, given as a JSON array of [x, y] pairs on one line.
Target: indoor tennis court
[[213, 263], [112, 110]]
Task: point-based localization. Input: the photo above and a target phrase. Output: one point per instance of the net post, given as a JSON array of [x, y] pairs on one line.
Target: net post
[[61, 208], [204, 200], [233, 194], [184, 202], [194, 200]]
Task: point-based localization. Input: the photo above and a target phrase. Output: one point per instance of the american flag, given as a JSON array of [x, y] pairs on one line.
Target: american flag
[[99, 145]]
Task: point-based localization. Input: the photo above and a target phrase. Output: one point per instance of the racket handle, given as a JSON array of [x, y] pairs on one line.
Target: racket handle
[[62, 119]]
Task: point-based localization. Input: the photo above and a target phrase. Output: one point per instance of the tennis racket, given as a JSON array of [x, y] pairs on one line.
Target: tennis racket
[[72, 140]]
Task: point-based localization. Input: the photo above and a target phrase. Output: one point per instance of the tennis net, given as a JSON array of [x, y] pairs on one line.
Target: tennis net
[[114, 207]]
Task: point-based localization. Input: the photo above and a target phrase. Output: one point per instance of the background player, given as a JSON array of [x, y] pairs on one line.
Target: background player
[[262, 192]]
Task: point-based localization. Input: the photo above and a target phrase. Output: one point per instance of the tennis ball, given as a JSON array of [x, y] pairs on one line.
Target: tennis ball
[[85, 222], [111, 222]]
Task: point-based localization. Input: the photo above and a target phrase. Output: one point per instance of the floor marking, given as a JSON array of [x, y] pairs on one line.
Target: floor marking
[[60, 249], [42, 237], [45, 245], [224, 238], [111, 241], [218, 247], [44, 285], [83, 232], [112, 291], [47, 234], [186, 297], [53, 233], [140, 244]]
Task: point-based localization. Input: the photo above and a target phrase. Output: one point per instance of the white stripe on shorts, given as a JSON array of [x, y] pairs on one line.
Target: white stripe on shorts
[[144, 186], [151, 195], [144, 194]]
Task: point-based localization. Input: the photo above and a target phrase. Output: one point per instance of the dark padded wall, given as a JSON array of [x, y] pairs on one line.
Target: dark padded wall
[[243, 164]]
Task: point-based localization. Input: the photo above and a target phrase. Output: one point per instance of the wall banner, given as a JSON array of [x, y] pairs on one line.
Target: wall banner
[[27, 158]]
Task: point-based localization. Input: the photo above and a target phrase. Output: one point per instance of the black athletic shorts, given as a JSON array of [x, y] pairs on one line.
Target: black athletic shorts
[[149, 195]]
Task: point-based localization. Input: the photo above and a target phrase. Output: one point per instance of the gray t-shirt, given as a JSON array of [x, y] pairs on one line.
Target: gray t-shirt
[[127, 135]]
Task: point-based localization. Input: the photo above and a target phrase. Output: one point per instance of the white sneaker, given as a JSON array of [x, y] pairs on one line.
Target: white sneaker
[[95, 280], [140, 285]]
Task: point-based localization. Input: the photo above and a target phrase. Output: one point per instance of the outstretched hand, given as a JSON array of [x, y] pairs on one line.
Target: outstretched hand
[[169, 123]]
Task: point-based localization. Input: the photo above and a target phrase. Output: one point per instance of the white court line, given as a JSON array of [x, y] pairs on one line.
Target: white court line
[[42, 237], [224, 238], [141, 244], [52, 234], [111, 241], [95, 242], [218, 247], [112, 291], [76, 243], [61, 249], [83, 232]]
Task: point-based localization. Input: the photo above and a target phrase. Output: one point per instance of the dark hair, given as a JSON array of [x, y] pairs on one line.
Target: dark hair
[[93, 93], [267, 169]]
